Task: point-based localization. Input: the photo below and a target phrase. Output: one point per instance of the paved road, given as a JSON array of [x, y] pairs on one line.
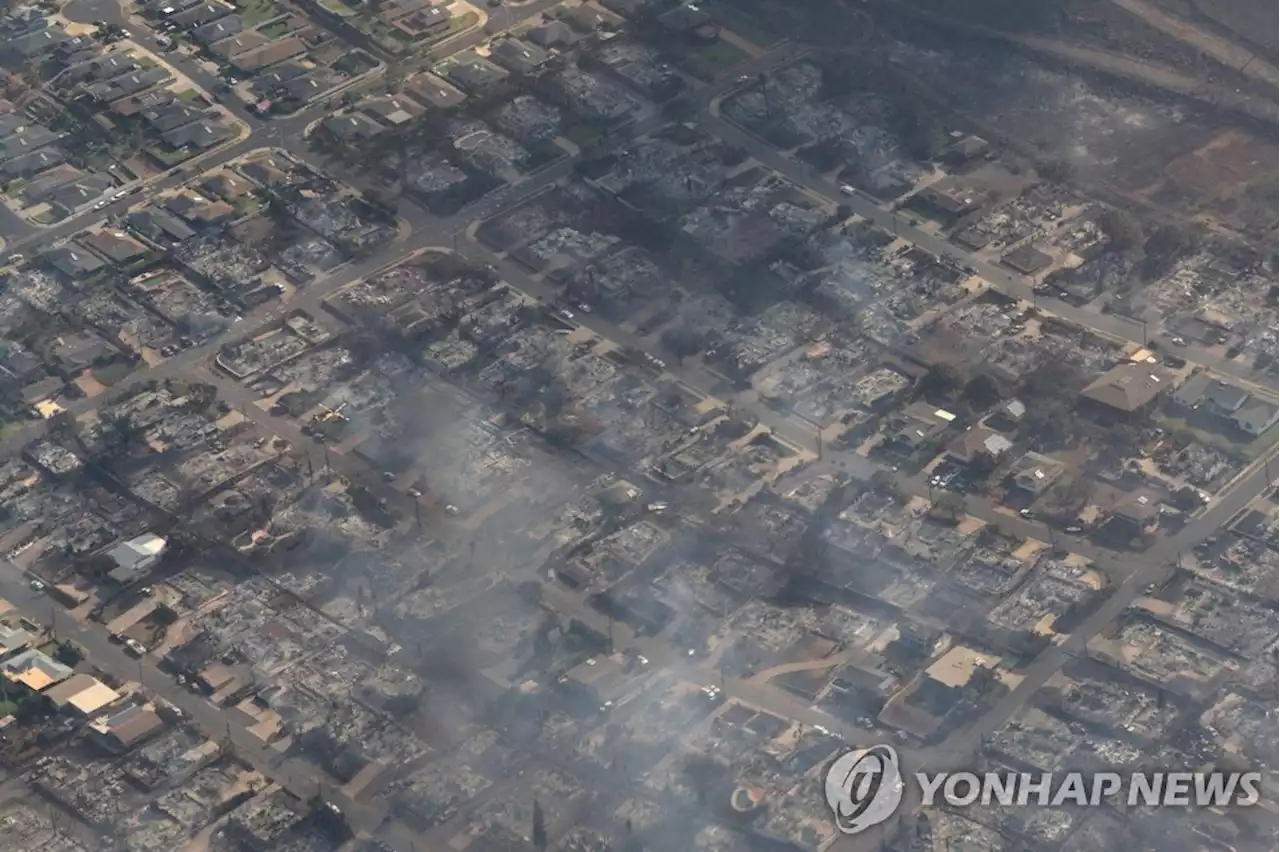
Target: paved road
[[284, 132], [431, 231], [298, 776], [1004, 280], [301, 778], [1132, 575]]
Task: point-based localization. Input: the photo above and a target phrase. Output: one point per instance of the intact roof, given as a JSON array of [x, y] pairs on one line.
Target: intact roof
[[46, 184], [1027, 259], [23, 19], [1224, 396], [432, 91], [279, 51], [153, 223], [517, 55], [158, 6], [137, 550], [74, 260], [115, 245], [10, 124], [129, 83], [202, 14], [227, 185], [473, 70], [1141, 505], [36, 161], [553, 34], [33, 138], [217, 675], [82, 191], [201, 133], [172, 116], [236, 45], [955, 667], [1015, 409], [352, 126], [13, 639], [980, 439], [684, 17], [587, 18], [36, 43], [195, 208], [129, 725], [394, 110], [265, 172], [421, 20], [305, 87], [35, 669], [217, 30], [399, 8], [1127, 387], [1192, 391], [112, 65], [278, 75], [63, 694], [146, 101], [1035, 472], [1256, 413], [94, 698]]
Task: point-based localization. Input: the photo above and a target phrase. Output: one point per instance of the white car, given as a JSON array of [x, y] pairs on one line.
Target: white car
[[99, 205], [846, 189], [135, 647], [37, 586], [118, 196]]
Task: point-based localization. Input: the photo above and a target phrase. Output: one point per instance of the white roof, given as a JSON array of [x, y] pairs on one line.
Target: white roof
[[138, 549]]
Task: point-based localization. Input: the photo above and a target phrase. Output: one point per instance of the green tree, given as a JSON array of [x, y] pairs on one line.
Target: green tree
[[882, 482], [1123, 230], [1166, 245], [950, 504], [1056, 171], [982, 391], [940, 382], [68, 654]]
